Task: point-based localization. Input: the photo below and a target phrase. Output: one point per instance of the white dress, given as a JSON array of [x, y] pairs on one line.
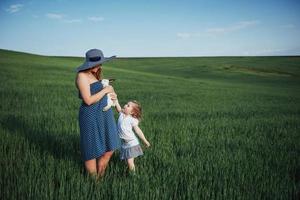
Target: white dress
[[130, 144]]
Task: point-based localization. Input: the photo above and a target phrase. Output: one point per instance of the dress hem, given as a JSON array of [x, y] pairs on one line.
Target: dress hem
[[96, 157]]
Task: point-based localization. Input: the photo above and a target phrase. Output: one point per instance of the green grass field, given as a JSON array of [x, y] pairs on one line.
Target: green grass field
[[220, 128]]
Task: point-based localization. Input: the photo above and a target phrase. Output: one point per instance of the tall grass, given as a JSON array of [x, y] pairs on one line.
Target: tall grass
[[220, 128]]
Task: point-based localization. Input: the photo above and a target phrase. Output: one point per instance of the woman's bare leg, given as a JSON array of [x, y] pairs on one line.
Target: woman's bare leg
[[90, 166], [103, 162]]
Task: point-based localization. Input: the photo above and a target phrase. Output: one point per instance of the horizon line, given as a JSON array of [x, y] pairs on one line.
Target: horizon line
[[124, 57]]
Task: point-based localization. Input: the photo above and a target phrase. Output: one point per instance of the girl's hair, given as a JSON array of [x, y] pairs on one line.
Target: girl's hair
[[137, 110]]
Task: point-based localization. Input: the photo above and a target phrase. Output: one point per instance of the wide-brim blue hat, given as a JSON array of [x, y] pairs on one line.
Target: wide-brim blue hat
[[93, 57]]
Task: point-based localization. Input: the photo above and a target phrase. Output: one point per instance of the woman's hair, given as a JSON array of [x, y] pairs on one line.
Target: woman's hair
[[97, 74], [136, 110]]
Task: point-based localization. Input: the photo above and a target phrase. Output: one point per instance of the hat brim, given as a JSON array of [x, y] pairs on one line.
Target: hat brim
[[88, 64]]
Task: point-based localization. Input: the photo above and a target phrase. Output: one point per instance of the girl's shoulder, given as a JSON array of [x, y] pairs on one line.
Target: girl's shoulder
[[122, 116], [134, 121], [121, 113], [128, 118]]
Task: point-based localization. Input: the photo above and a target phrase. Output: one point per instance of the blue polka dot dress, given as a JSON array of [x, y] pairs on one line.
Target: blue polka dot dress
[[98, 130]]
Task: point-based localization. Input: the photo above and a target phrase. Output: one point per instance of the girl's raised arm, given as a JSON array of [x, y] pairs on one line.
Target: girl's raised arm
[[118, 107], [140, 133]]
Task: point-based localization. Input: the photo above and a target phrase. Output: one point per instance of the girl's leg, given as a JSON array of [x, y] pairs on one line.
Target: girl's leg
[[90, 166], [130, 163], [103, 162]]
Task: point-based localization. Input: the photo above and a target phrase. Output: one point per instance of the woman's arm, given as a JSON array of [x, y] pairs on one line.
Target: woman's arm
[[84, 88], [140, 133]]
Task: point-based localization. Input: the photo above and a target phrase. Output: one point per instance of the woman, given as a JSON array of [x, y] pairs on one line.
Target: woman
[[98, 131]]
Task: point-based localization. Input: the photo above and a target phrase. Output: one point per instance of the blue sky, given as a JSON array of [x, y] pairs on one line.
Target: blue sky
[[141, 28]]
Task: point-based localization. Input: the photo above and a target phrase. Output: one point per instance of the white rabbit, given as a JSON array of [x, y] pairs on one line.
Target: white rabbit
[[110, 103]]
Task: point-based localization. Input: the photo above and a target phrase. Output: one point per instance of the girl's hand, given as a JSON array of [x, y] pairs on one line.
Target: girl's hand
[[147, 143]]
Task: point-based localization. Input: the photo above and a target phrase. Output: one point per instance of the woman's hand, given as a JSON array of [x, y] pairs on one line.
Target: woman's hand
[[113, 96], [109, 89]]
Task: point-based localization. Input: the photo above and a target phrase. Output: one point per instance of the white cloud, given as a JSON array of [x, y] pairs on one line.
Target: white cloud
[[72, 21], [54, 16], [232, 28], [14, 8], [61, 18], [96, 19], [184, 35]]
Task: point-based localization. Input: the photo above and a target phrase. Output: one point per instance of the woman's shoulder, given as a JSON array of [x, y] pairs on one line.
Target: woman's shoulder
[[82, 75], [81, 79], [85, 78]]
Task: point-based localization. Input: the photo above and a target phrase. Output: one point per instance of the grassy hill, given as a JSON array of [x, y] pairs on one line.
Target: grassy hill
[[220, 128]]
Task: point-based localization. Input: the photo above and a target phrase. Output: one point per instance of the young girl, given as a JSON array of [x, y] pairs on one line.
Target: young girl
[[128, 121]]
